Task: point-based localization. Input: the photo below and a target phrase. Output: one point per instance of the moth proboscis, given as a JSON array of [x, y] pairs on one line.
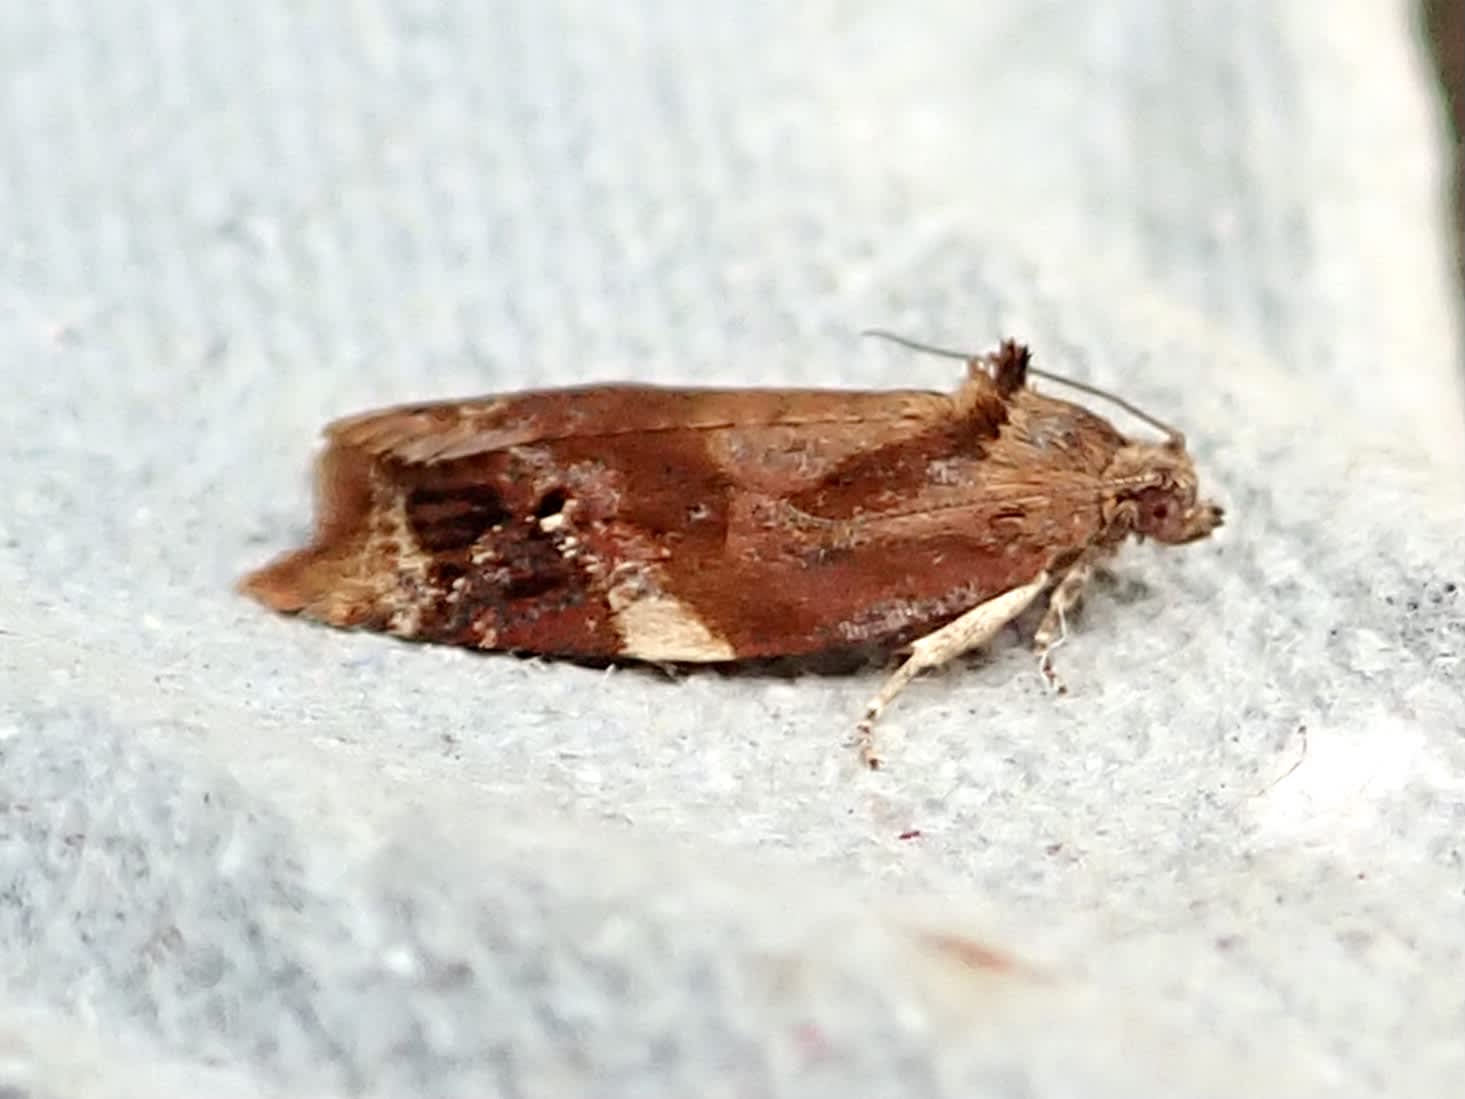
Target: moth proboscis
[[705, 525]]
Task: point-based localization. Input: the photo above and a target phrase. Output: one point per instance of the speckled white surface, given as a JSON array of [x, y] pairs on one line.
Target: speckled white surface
[[240, 856]]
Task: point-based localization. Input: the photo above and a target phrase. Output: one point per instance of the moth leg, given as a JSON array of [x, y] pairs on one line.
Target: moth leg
[[976, 627], [1067, 594], [1052, 631], [1050, 645]]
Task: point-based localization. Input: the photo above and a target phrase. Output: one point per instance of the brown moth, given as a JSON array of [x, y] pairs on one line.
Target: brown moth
[[708, 525]]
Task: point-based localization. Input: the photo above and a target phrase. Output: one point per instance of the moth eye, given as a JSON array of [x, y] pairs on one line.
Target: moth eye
[[1161, 511]]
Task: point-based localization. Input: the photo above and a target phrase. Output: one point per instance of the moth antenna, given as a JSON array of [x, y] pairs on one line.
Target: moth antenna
[[1175, 437], [917, 345]]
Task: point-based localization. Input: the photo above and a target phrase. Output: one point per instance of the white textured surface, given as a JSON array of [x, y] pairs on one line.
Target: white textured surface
[[243, 857]]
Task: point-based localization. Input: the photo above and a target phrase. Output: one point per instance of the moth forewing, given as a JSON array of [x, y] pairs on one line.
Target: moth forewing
[[719, 525]]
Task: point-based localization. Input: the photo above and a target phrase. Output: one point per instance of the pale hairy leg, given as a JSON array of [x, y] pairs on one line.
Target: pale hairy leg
[[1052, 631], [1067, 594], [976, 627]]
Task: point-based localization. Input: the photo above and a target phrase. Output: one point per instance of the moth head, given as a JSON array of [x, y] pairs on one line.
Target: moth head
[[1155, 494]]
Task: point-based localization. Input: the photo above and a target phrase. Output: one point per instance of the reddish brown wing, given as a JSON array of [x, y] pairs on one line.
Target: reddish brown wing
[[680, 524], [450, 430]]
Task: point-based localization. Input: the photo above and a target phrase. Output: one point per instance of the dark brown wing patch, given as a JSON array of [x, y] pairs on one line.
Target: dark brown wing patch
[[447, 520]]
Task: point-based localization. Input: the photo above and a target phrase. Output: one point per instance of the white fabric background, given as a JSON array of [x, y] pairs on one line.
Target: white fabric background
[[240, 856]]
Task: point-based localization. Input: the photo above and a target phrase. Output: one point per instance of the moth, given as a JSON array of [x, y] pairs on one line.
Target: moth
[[704, 525]]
